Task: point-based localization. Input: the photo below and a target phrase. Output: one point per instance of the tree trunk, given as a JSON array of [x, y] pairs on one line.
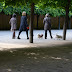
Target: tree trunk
[[31, 23], [66, 20]]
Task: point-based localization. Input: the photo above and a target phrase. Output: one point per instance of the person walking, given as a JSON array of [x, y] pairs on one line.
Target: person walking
[[13, 22], [23, 25], [47, 25]]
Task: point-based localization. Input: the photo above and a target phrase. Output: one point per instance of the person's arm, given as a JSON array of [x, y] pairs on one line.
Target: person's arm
[[49, 22], [26, 21], [43, 21], [10, 21]]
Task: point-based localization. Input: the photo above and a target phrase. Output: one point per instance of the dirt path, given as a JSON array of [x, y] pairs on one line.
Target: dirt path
[[49, 59]]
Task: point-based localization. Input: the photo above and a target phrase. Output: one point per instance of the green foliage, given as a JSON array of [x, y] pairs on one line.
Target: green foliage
[[70, 13], [14, 9], [8, 10], [20, 2], [54, 7], [42, 7], [51, 10], [38, 11], [1, 6], [55, 11]]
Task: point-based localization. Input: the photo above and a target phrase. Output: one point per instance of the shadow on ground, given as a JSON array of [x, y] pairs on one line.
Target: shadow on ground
[[53, 59]]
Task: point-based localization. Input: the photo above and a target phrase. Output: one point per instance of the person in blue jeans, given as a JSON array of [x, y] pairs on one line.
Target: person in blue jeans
[[23, 25]]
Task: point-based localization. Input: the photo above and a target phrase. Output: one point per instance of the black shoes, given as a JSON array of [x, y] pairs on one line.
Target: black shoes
[[18, 37], [45, 37], [27, 37], [51, 37]]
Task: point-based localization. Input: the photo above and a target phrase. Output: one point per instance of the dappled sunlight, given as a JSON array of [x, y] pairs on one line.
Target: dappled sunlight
[[56, 58], [59, 58], [35, 57], [33, 54], [9, 70], [20, 60]]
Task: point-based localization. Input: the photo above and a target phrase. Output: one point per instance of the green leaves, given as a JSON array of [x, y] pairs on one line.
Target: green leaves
[[8, 10], [1, 6], [55, 11], [14, 9], [54, 7]]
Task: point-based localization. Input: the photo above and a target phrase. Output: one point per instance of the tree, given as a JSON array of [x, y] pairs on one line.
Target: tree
[[65, 4], [66, 19]]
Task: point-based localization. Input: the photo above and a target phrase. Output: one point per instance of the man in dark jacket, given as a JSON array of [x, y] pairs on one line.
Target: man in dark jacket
[[23, 25], [47, 25]]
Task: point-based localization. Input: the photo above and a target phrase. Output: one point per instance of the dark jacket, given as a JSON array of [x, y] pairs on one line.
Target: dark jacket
[[47, 23], [23, 24]]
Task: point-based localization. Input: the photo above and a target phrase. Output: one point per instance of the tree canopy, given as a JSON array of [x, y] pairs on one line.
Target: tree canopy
[[38, 10], [41, 7], [54, 7]]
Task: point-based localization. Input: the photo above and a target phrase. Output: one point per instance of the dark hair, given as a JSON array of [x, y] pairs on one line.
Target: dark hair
[[14, 15]]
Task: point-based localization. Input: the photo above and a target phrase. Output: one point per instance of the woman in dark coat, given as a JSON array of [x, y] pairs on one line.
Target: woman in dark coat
[[47, 25], [23, 25]]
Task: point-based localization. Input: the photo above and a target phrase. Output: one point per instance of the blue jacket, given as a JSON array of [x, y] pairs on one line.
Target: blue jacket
[[23, 24]]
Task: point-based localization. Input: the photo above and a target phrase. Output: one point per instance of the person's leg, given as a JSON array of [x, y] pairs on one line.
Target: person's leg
[[13, 37], [19, 35], [45, 34], [27, 33], [50, 33]]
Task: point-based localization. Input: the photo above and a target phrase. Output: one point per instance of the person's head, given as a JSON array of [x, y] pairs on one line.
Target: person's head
[[23, 13], [47, 15], [14, 15]]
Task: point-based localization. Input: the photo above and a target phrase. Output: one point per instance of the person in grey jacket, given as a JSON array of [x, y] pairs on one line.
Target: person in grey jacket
[[47, 25], [13, 22], [23, 25]]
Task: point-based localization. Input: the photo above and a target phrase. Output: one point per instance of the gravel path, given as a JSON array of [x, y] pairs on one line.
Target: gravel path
[[6, 41]]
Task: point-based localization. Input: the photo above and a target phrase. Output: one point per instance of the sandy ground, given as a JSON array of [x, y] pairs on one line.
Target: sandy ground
[[6, 41], [50, 55], [49, 59]]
